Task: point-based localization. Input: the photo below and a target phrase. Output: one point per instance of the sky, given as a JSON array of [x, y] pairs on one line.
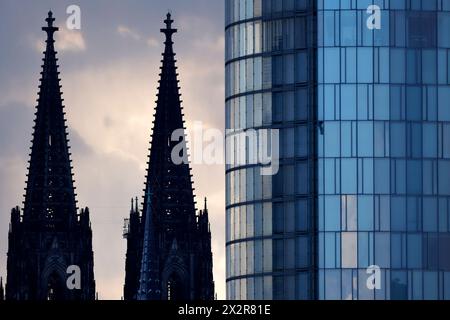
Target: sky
[[109, 75]]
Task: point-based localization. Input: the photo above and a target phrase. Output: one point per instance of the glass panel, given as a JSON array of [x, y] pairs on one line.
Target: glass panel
[[349, 250]]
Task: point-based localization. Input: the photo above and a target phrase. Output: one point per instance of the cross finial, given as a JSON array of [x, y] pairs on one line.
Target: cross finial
[[168, 21], [50, 29], [168, 31], [50, 19]]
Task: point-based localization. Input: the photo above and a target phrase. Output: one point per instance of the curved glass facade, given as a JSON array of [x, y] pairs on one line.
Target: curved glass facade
[[269, 86], [384, 151], [361, 97]]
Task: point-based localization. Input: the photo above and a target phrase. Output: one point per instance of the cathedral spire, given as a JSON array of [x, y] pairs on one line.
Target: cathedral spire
[[50, 235], [167, 179], [167, 245], [50, 195]]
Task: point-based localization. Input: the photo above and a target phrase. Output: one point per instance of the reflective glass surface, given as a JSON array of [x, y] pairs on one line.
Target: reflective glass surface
[[384, 169], [269, 84], [364, 120]]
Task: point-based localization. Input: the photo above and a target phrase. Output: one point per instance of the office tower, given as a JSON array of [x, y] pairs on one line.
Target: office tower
[[379, 189], [270, 84], [49, 241], [169, 245]]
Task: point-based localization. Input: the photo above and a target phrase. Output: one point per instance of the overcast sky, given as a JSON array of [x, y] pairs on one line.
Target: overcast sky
[[109, 71]]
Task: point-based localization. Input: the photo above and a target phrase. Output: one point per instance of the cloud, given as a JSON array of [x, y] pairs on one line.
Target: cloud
[[69, 40], [15, 129], [152, 42], [218, 45], [127, 32], [15, 134], [119, 128], [38, 45], [130, 33], [106, 181], [66, 41]]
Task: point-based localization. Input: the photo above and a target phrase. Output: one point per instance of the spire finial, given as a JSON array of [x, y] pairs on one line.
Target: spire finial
[[169, 31], [50, 18], [168, 20], [206, 204], [137, 205], [132, 205], [50, 29]]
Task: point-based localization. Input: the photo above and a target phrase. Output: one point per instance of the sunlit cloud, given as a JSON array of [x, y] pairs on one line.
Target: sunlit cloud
[[152, 42], [127, 32], [70, 40], [38, 45], [130, 33], [66, 40]]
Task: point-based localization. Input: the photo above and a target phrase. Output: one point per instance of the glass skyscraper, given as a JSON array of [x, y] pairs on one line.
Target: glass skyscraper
[[271, 85], [384, 169], [360, 91]]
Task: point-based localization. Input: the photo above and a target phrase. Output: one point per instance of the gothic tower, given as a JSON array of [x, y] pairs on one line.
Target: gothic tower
[[48, 241], [169, 246]]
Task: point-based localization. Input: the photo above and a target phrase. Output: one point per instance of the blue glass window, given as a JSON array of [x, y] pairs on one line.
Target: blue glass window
[[348, 30], [332, 58], [398, 216], [332, 217], [444, 106], [365, 213], [365, 139], [348, 102], [348, 170], [332, 139], [365, 65]]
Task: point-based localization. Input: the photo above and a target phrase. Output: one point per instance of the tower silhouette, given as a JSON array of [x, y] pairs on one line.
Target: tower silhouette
[[48, 236], [169, 246]]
